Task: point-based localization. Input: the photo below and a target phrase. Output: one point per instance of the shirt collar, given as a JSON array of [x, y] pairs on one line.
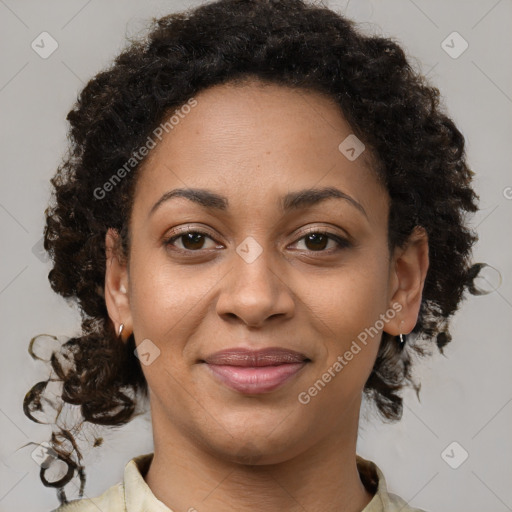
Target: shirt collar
[[138, 495], [374, 481]]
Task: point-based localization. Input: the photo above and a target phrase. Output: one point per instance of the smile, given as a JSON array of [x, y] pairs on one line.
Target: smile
[[255, 380]]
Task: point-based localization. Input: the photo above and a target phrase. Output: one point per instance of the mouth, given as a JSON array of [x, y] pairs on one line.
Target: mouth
[[255, 371]]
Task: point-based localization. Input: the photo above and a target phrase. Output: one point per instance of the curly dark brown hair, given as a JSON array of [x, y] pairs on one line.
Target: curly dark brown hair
[[419, 155]]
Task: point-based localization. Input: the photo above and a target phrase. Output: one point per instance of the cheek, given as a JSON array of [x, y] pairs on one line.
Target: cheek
[[169, 304], [347, 310], [163, 296], [350, 300], [165, 304], [154, 304]]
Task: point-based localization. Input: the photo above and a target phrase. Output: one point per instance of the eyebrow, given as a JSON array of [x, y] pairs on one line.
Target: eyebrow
[[291, 201]]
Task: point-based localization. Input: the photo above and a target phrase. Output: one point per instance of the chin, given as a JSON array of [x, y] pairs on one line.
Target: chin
[[257, 444]]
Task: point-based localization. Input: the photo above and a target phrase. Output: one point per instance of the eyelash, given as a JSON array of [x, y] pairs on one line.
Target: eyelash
[[342, 242]]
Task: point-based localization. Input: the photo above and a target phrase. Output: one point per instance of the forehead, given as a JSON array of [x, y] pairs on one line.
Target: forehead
[[254, 141]]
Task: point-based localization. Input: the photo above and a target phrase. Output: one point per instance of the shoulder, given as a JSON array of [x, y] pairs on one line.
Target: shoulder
[[383, 500], [110, 501], [397, 504], [130, 492]]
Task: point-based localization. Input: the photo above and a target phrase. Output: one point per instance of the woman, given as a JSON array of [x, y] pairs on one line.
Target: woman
[[259, 205]]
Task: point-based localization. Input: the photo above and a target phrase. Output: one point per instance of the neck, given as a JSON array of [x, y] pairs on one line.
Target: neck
[[322, 478]]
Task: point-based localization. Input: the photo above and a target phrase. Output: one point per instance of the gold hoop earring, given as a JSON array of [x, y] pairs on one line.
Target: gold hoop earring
[[121, 327]]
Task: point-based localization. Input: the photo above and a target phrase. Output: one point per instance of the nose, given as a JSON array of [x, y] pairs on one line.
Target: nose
[[255, 290]]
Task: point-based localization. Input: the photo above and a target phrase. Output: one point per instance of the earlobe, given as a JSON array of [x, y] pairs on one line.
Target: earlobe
[[116, 286], [408, 273]]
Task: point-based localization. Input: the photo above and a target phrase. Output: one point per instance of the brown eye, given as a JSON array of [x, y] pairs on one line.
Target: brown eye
[[193, 241], [317, 241], [190, 240]]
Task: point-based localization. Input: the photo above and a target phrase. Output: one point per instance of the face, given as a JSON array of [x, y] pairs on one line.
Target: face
[[284, 247]]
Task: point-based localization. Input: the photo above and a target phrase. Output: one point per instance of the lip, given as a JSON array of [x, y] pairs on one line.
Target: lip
[[271, 356], [255, 371]]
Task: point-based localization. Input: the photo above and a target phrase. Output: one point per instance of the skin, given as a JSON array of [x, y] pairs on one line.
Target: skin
[[215, 446]]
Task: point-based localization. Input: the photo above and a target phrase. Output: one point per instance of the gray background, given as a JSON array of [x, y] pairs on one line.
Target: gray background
[[465, 396]]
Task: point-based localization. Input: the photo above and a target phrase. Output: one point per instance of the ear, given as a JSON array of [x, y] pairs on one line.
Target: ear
[[408, 270], [116, 286]]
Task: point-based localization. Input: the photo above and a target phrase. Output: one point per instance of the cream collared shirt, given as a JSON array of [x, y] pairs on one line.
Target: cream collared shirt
[[134, 495]]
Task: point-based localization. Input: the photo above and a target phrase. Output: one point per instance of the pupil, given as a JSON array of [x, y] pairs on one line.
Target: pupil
[[316, 235], [194, 238]]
